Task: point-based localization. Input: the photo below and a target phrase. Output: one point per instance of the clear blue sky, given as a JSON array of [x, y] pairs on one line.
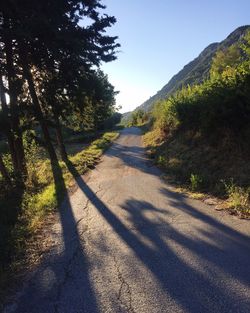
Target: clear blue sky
[[159, 37]]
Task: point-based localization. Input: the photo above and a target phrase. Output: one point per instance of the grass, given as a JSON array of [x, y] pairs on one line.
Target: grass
[[23, 215], [201, 169], [238, 198]]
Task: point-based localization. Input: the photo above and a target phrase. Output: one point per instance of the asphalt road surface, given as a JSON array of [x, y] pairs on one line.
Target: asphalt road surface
[[126, 242]]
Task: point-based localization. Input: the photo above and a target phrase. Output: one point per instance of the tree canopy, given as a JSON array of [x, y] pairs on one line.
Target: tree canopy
[[50, 55]]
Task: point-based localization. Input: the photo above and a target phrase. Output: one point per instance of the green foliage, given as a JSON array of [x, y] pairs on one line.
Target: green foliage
[[8, 162], [196, 181], [239, 197], [32, 150], [94, 106], [219, 108], [138, 118], [205, 129], [53, 84], [50, 63], [164, 114], [161, 160], [230, 57], [113, 120], [38, 204], [246, 44]]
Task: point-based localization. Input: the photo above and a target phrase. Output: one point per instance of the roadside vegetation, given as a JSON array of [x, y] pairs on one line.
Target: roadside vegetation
[[22, 213], [138, 118], [200, 136], [57, 108]]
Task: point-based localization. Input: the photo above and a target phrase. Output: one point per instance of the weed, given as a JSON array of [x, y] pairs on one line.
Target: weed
[[239, 197], [196, 181], [161, 160]]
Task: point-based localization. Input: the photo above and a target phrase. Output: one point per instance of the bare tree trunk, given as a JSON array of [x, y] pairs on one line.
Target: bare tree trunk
[[40, 117], [59, 137], [36, 104], [4, 171], [8, 130], [15, 122], [54, 105], [61, 145]]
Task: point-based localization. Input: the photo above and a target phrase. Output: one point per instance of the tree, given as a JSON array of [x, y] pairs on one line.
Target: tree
[[7, 125], [15, 133], [138, 117], [3, 170], [227, 58], [47, 43]]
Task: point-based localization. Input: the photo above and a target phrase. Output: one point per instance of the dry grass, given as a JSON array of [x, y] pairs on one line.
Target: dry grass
[[191, 163]]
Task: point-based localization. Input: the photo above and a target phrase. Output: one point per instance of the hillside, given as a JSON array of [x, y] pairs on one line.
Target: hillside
[[126, 117], [195, 71], [200, 136]]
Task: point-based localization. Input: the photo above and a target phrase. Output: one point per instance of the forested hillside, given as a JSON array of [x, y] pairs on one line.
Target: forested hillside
[[197, 70], [201, 134], [54, 102]]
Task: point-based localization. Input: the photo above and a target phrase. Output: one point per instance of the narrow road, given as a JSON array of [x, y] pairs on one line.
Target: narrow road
[[126, 242]]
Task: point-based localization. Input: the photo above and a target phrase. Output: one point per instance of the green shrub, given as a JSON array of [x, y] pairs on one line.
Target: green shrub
[[239, 197], [196, 182], [161, 160], [219, 107]]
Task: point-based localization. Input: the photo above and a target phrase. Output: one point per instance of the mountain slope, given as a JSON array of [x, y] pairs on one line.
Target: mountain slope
[[196, 71]]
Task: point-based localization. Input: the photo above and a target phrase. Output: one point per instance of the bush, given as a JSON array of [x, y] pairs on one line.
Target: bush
[[239, 197], [219, 107], [196, 181]]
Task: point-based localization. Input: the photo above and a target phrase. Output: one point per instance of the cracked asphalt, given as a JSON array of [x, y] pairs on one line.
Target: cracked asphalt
[[126, 242]]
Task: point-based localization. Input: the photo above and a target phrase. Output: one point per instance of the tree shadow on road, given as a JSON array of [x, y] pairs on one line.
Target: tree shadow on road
[[198, 275], [10, 209], [133, 156], [62, 284]]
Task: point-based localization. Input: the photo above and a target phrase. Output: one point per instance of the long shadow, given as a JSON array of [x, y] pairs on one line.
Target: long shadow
[[10, 208], [232, 250], [191, 287], [226, 248], [179, 201], [132, 155], [62, 283]]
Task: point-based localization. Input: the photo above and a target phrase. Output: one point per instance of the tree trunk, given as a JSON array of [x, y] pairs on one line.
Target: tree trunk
[[8, 131], [59, 137], [40, 117], [4, 171], [36, 104], [60, 142], [15, 123]]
